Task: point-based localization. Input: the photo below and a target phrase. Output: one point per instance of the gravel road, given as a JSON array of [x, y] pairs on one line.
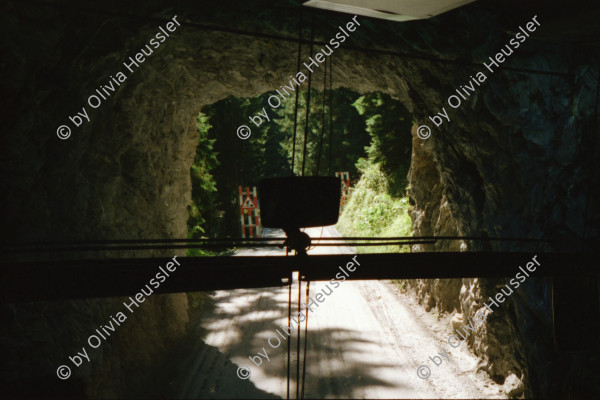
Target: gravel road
[[365, 340]]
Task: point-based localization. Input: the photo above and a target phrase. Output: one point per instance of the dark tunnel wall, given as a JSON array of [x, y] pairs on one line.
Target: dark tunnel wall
[[516, 159]]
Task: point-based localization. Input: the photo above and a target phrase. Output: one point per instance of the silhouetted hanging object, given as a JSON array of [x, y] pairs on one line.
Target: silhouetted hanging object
[[297, 202]]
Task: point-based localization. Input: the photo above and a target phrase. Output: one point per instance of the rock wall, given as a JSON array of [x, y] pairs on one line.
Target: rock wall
[[39, 337], [515, 159]]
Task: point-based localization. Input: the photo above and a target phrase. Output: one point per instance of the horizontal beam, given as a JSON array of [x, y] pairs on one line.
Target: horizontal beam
[[53, 280], [430, 265]]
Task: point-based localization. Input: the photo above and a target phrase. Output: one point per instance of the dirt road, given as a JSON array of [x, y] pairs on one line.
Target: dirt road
[[365, 340]]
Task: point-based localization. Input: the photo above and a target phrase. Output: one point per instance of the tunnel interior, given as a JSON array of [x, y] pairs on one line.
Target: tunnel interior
[[512, 153]]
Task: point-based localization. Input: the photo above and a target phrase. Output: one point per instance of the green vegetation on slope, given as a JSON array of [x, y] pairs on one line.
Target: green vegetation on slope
[[373, 212], [378, 205], [201, 211]]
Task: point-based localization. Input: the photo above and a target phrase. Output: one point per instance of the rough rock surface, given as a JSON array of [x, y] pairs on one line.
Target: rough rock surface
[[515, 160]]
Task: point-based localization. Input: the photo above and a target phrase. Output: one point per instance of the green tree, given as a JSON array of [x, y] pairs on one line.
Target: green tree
[[389, 124], [349, 136], [201, 211]]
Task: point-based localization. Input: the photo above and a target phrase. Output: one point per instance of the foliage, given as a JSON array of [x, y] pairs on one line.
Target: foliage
[[201, 211], [378, 205], [348, 138], [389, 124], [373, 212]]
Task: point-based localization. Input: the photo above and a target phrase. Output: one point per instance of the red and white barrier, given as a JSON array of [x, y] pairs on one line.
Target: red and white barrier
[[249, 212]]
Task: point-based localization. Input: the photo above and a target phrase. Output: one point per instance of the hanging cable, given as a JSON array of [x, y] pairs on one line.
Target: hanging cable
[[305, 341], [298, 341], [312, 37], [297, 92], [322, 120], [330, 116], [289, 342]]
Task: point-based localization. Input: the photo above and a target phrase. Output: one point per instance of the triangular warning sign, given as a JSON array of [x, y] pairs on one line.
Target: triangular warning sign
[[248, 203]]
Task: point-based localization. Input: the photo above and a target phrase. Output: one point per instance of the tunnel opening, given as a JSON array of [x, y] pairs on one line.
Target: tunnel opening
[[366, 135]]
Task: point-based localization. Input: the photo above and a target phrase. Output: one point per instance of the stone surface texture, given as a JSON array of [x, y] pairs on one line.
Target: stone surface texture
[[516, 160]]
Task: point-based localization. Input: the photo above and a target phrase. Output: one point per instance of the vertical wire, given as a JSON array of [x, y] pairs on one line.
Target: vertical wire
[[312, 37], [305, 340], [330, 116], [322, 119], [298, 341], [297, 91], [289, 353]]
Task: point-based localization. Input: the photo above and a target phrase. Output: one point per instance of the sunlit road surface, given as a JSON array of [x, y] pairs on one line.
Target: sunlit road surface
[[365, 340]]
